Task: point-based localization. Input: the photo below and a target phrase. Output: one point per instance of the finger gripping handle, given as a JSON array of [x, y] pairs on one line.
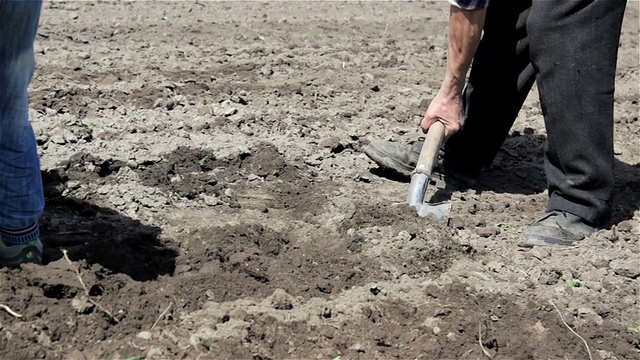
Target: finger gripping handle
[[429, 152]]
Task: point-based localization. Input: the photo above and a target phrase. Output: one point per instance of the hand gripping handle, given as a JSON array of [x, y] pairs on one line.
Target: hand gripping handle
[[429, 152]]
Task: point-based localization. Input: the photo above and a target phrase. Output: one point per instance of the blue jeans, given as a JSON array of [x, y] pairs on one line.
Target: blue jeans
[[21, 193]]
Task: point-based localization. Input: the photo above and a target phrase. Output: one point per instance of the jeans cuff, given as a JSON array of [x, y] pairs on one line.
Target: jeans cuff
[[20, 236]]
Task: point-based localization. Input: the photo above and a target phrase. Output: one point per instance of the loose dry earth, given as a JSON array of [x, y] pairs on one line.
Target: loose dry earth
[[203, 169]]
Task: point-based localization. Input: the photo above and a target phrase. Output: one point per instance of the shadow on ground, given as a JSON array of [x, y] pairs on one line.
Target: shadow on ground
[[100, 235]]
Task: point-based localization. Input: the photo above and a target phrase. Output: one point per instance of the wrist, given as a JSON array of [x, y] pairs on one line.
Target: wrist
[[452, 87]]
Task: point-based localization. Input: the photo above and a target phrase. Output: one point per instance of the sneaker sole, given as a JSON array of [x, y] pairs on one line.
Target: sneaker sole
[[531, 241], [28, 255]]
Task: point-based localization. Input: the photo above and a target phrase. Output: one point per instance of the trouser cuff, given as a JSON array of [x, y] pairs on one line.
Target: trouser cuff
[[20, 236], [594, 215]]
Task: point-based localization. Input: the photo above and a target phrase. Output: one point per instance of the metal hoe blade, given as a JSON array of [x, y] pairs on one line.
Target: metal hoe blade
[[439, 210], [415, 198], [422, 173]]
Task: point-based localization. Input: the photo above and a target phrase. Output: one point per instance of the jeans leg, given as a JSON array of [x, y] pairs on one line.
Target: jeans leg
[[500, 79], [574, 46], [21, 193]]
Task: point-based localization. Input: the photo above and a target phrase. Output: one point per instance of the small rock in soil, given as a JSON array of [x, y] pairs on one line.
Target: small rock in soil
[[403, 236], [625, 267], [539, 253], [144, 335], [593, 285], [364, 179], [330, 142], [76, 355], [43, 339], [486, 232], [495, 266], [225, 109], [239, 100], [266, 70], [280, 300], [456, 223], [154, 351], [325, 288], [358, 347], [202, 111], [625, 226], [181, 269], [81, 304], [443, 312], [211, 200], [58, 139], [590, 315], [171, 336]]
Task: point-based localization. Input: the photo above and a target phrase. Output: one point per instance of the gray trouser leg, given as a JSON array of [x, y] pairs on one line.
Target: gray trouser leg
[[573, 47]]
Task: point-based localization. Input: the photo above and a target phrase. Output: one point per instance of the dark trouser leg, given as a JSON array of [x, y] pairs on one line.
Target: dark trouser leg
[[573, 46], [500, 80]]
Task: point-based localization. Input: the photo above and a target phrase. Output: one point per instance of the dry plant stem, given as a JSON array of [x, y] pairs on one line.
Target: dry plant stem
[[570, 329], [466, 353], [381, 315], [75, 232], [484, 351], [161, 315], [84, 287], [8, 309]]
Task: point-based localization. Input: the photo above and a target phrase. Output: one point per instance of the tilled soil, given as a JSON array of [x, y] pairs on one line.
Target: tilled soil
[[204, 174]]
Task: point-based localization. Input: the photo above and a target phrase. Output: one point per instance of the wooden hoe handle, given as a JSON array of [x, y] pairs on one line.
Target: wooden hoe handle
[[429, 153]]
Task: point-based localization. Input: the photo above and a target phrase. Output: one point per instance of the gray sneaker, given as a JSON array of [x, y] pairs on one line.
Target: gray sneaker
[[401, 160], [556, 228], [14, 255], [395, 157]]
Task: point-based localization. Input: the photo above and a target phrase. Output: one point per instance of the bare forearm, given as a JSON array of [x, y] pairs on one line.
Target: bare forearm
[[465, 30]]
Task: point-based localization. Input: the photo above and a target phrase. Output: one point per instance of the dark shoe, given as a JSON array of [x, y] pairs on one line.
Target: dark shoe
[[556, 228], [14, 255], [402, 159], [394, 157]]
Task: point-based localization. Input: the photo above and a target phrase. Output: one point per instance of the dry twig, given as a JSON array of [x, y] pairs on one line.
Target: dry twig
[[466, 353], [86, 290], [484, 351], [8, 309], [570, 329], [75, 232], [379, 311], [161, 315]]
